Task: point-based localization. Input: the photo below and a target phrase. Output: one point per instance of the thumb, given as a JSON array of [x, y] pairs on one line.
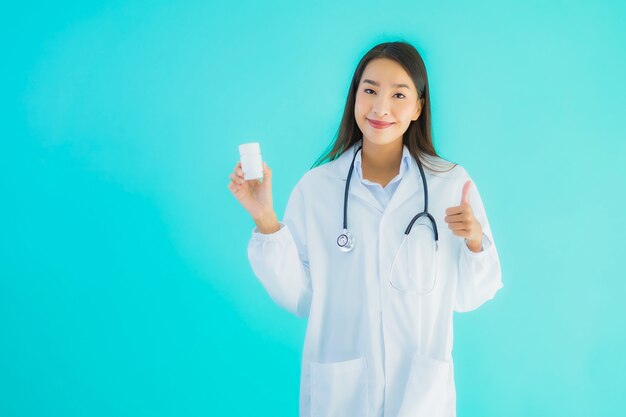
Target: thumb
[[465, 196], [267, 173]]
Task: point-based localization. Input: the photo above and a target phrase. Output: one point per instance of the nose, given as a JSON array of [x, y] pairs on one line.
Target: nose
[[381, 105]]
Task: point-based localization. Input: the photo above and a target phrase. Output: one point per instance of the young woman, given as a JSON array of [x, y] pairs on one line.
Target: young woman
[[362, 251]]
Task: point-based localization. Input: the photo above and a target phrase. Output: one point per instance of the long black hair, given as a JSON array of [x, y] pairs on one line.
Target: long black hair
[[418, 136]]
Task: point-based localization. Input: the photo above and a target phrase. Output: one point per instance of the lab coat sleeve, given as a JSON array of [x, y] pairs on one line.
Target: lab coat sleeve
[[280, 261], [480, 275]]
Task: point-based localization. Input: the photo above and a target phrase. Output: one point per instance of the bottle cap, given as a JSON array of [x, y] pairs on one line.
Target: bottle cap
[[249, 148]]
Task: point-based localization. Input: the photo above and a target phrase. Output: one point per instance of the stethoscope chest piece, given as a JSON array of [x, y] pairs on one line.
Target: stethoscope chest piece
[[345, 241]]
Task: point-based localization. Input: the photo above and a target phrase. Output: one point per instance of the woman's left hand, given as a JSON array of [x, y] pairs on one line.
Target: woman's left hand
[[463, 223]]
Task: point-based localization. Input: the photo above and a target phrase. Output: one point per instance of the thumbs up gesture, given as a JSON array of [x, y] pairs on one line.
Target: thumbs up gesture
[[463, 223]]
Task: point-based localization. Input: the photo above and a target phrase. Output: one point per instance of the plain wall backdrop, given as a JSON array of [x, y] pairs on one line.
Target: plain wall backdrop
[[125, 288]]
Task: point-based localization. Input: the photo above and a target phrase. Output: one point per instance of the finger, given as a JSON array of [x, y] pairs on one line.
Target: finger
[[236, 179], [234, 187], [455, 210], [267, 172], [458, 226], [239, 172], [465, 195], [461, 217]]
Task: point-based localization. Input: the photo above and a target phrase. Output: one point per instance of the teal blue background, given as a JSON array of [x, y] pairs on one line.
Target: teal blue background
[[125, 288]]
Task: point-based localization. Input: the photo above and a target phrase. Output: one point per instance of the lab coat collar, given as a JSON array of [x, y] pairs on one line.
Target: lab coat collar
[[410, 183]]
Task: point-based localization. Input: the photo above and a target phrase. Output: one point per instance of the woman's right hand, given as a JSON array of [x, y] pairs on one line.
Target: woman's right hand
[[255, 196]]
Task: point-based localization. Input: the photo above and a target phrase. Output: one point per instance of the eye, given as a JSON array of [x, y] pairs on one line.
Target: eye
[[369, 89]]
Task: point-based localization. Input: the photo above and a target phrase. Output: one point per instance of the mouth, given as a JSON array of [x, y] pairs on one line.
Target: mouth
[[378, 125]]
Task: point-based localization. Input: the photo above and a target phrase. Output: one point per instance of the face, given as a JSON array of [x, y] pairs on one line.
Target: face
[[385, 93]]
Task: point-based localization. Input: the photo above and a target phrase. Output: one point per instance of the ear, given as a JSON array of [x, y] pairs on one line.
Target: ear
[[419, 109]]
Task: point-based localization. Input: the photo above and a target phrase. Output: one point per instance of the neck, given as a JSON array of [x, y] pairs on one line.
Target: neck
[[381, 160]]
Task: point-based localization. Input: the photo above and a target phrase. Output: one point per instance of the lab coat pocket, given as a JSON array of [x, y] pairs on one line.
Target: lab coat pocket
[[339, 389], [427, 390]]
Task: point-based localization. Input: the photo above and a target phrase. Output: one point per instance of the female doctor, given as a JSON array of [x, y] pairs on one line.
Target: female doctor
[[364, 254]]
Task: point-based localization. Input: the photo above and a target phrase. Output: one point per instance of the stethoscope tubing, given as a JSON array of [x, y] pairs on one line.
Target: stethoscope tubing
[[410, 225], [345, 241]]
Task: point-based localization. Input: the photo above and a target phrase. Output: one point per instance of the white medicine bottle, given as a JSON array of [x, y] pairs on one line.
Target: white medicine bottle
[[251, 162]]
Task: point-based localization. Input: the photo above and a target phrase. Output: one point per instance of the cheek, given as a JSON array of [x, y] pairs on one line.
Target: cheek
[[405, 112], [359, 105]]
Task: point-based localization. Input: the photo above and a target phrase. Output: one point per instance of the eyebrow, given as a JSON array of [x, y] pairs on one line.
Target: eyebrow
[[378, 85]]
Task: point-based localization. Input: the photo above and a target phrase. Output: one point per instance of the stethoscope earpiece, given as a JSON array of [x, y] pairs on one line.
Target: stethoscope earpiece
[[345, 241]]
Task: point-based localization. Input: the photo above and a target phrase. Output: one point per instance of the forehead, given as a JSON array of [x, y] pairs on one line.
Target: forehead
[[386, 72]]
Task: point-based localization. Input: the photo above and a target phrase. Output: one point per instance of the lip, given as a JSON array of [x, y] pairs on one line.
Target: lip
[[378, 125]]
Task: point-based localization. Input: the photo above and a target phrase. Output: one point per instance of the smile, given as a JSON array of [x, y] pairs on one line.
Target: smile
[[378, 125]]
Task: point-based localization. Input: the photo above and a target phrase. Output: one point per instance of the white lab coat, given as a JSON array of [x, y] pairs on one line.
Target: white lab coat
[[371, 351]]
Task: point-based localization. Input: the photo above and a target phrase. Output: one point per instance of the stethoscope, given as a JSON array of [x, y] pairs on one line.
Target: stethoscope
[[345, 241]]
